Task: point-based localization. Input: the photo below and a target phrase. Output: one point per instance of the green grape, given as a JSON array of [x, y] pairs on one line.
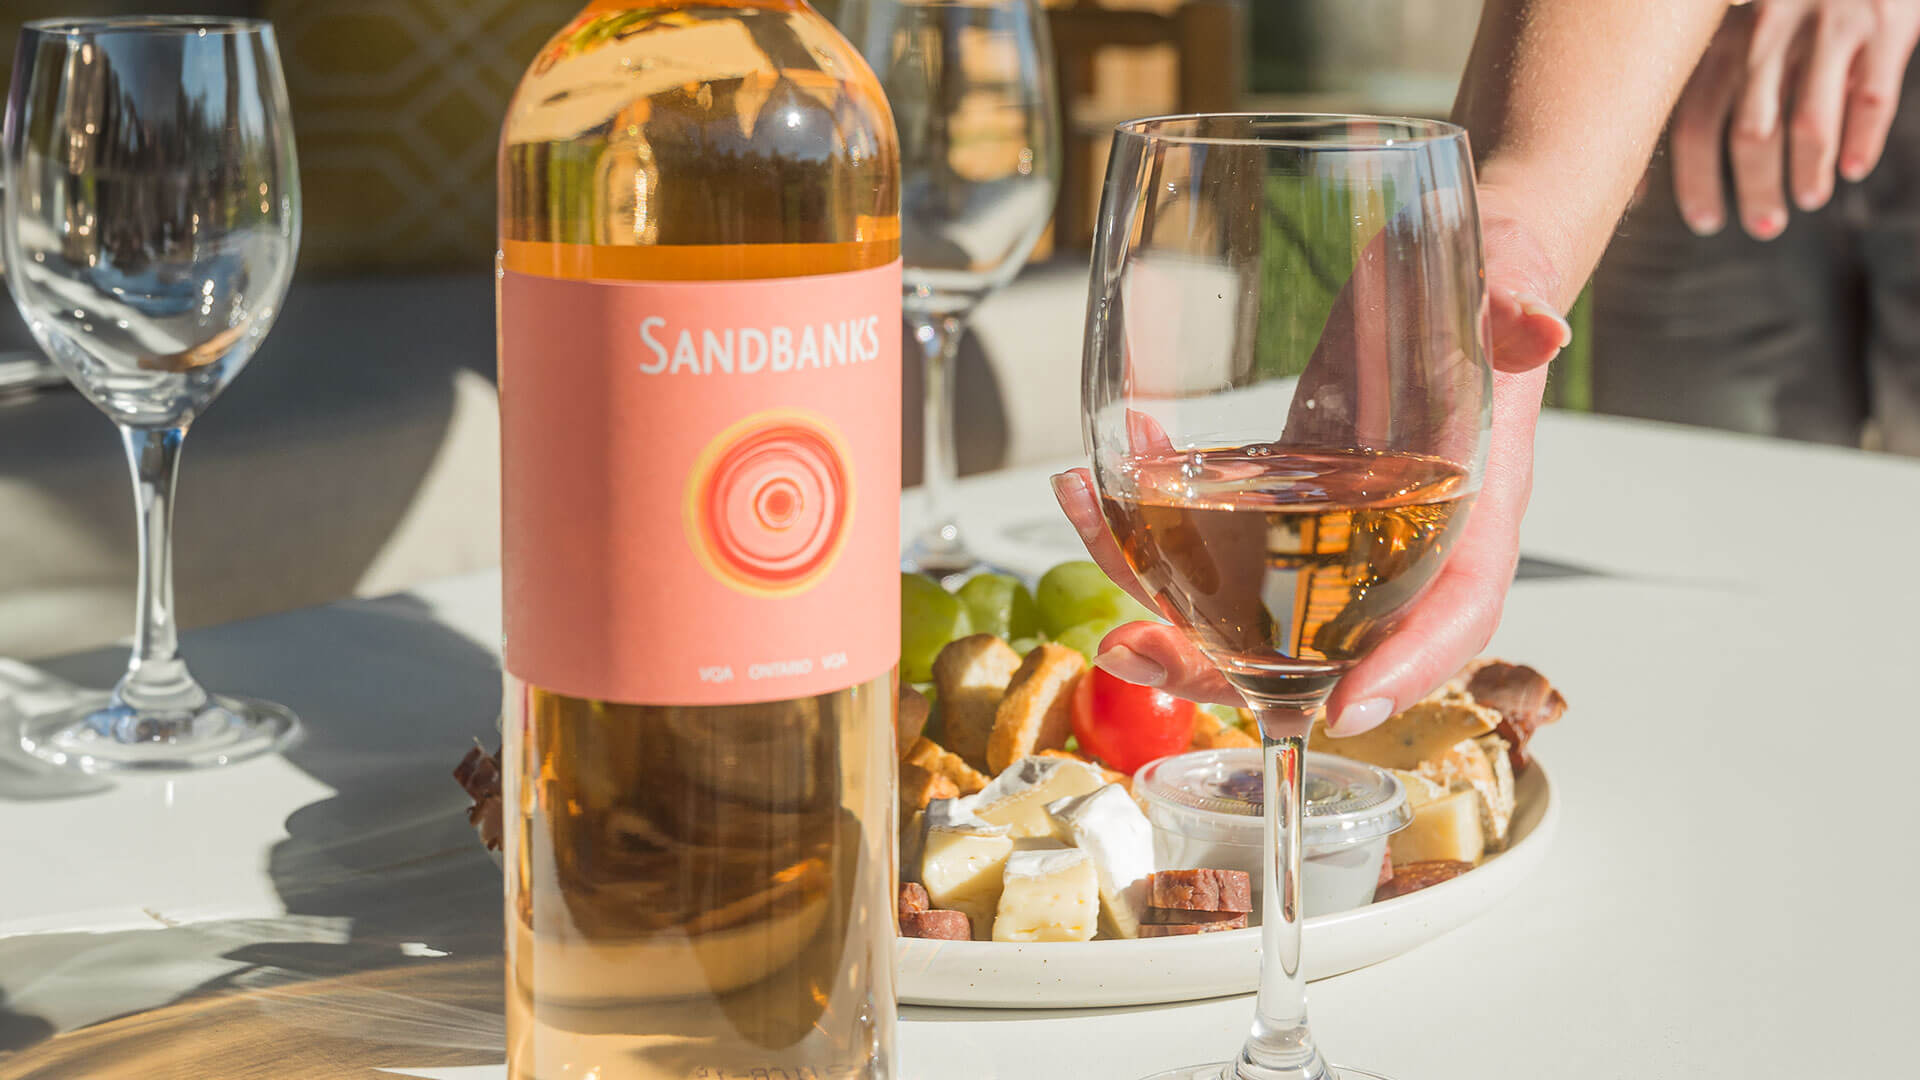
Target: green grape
[[1025, 645], [930, 616], [1000, 604], [1077, 592], [1226, 714], [1085, 637], [1023, 620]]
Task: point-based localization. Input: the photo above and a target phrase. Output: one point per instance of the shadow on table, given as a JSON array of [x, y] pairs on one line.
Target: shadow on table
[[409, 969]]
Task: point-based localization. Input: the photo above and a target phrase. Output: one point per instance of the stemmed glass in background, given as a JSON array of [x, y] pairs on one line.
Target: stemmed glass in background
[[1286, 397], [972, 88], [150, 221]]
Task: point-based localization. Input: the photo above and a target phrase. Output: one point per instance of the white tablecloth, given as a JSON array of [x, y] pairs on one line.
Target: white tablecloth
[[1729, 895]]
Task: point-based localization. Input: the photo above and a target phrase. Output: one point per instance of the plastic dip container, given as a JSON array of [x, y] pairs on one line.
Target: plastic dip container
[[1206, 808]]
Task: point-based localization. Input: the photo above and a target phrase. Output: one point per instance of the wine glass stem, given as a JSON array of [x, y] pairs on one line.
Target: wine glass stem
[[157, 680], [939, 337], [1281, 1047]]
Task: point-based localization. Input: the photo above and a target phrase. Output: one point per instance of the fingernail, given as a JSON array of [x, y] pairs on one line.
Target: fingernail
[[1533, 305], [1810, 200], [1123, 663], [1854, 169], [1705, 224], [1071, 491], [1068, 485], [1361, 716], [1768, 225]]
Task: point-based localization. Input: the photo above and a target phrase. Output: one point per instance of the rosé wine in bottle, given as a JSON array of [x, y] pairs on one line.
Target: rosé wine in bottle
[[699, 318]]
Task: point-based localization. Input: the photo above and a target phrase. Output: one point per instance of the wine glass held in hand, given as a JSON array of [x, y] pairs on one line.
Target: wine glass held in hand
[[972, 89], [1286, 395], [151, 216]]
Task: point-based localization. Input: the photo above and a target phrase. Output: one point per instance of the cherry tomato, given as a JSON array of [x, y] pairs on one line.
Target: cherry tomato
[[1127, 726]]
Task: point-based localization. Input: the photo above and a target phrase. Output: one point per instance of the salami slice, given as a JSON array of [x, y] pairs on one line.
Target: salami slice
[[1201, 890], [1153, 930], [938, 924]]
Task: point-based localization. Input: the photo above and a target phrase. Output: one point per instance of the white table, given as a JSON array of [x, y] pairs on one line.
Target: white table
[[1729, 895]]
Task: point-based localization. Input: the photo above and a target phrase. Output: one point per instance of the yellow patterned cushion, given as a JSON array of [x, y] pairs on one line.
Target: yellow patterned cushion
[[398, 105]]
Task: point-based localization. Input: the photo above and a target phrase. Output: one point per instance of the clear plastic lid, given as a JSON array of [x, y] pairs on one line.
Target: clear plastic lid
[[1219, 795]]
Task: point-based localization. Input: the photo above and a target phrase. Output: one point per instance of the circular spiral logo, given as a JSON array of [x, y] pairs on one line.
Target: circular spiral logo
[[769, 501]]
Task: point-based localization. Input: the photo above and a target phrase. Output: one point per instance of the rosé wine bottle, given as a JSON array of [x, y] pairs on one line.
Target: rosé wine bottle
[[699, 322]]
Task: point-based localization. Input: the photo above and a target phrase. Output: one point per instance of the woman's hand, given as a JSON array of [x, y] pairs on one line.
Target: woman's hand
[[1453, 620], [1790, 91]]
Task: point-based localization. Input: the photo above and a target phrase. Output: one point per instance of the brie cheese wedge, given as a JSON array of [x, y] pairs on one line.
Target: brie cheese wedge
[[952, 813], [1018, 798], [962, 869], [1497, 798], [1479, 765], [1108, 825], [1048, 896]]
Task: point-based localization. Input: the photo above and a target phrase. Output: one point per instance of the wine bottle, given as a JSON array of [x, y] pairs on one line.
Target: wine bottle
[[698, 302]]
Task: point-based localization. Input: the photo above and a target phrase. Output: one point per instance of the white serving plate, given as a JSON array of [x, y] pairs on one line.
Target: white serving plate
[[1062, 975]]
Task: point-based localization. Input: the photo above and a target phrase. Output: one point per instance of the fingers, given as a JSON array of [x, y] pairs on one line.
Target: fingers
[[1757, 143], [1820, 106], [1449, 626], [1452, 622], [1758, 178], [1699, 129], [1877, 74], [1074, 491], [1154, 654], [1151, 654]]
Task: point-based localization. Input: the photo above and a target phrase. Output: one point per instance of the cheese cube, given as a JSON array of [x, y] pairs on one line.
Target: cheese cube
[[1018, 798], [1110, 828], [1420, 790], [1447, 828], [1048, 896], [962, 869]]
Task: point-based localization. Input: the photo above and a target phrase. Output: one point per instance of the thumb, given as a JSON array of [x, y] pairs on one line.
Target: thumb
[[1527, 331], [1526, 327]]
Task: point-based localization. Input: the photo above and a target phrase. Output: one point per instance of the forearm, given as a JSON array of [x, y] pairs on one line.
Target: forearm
[[1564, 101]]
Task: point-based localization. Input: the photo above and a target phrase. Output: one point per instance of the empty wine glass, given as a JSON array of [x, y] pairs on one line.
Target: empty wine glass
[[972, 88], [150, 220], [1286, 395]]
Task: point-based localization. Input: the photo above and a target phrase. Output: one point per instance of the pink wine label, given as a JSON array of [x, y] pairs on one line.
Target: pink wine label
[[701, 481]]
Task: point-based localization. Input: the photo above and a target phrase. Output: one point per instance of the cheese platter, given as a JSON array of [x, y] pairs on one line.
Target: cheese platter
[[1072, 840], [1061, 975]]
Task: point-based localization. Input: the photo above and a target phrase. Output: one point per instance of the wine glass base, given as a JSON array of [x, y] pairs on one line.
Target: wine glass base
[[948, 566], [1223, 1070], [98, 734]]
